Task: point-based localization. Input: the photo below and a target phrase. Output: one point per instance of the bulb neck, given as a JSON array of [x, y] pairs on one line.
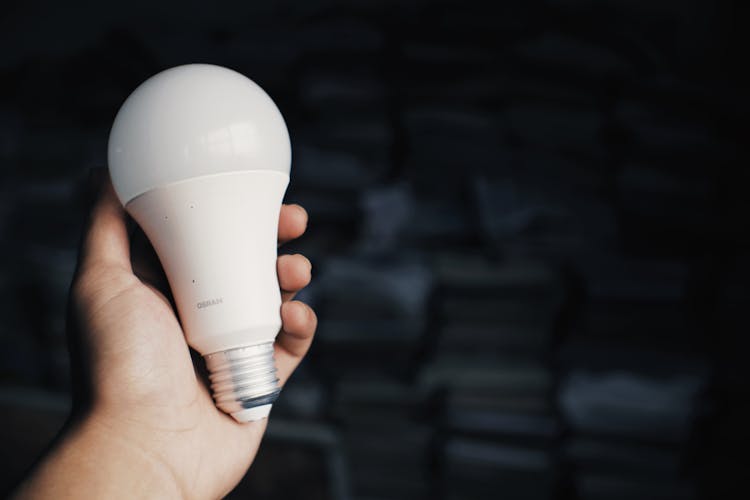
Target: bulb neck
[[243, 381]]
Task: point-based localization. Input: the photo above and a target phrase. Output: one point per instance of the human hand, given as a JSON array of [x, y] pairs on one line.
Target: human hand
[[145, 417]]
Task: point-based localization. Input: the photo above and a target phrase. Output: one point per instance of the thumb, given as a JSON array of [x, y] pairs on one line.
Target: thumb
[[105, 241]]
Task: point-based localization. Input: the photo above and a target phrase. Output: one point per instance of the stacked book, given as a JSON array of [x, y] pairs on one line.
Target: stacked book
[[490, 363], [372, 313], [343, 134], [387, 434], [629, 433], [633, 384]]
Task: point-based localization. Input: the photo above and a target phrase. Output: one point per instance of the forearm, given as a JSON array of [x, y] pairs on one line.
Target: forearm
[[90, 461]]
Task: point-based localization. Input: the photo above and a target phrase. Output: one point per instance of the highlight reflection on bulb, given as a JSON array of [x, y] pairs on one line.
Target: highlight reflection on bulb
[[199, 156]]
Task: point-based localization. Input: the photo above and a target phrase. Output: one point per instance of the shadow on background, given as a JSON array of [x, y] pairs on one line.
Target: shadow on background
[[526, 227]]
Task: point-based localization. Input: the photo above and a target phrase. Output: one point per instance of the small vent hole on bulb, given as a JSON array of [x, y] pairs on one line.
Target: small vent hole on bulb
[[192, 206], [193, 281]]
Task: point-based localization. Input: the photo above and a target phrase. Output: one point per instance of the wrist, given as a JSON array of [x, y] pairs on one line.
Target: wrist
[[91, 460]]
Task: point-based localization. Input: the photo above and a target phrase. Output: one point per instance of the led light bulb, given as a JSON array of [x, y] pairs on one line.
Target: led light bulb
[[199, 155]]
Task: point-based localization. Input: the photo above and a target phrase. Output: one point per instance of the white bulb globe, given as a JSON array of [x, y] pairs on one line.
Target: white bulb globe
[[199, 155], [194, 120]]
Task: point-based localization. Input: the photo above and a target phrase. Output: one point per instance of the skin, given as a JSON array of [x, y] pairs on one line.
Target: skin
[[145, 424]]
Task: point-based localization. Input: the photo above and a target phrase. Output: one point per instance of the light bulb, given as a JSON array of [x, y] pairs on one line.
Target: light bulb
[[199, 155]]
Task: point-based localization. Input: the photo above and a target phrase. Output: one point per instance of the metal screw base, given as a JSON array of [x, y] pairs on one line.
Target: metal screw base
[[244, 378]]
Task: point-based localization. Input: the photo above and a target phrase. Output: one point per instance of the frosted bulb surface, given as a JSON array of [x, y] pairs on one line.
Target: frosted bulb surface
[[199, 155], [190, 121]]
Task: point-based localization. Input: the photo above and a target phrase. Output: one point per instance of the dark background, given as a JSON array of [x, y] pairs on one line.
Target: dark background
[[526, 225]]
